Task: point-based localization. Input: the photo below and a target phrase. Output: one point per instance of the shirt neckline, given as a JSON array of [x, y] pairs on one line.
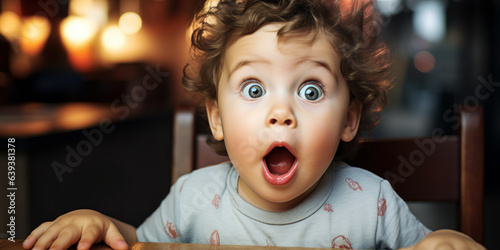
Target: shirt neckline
[[314, 201]]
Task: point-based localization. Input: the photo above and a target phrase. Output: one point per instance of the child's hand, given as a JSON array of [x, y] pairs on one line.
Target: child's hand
[[446, 239], [83, 226]]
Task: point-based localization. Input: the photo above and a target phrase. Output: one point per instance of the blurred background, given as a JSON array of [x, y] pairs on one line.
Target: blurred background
[[87, 89]]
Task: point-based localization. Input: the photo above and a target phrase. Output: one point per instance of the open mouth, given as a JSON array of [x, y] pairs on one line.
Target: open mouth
[[279, 165], [279, 161]]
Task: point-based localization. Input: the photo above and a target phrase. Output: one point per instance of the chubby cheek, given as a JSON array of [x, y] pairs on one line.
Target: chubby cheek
[[244, 141], [325, 143], [322, 140]]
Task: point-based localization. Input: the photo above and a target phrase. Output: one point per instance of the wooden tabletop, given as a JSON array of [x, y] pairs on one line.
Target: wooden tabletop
[[34, 119], [18, 244]]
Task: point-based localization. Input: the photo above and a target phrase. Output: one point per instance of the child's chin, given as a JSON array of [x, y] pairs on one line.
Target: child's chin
[[280, 197]]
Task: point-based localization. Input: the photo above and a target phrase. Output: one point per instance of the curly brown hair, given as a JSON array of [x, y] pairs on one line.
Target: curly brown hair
[[353, 28]]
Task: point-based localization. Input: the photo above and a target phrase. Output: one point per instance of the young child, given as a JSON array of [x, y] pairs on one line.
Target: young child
[[287, 87]]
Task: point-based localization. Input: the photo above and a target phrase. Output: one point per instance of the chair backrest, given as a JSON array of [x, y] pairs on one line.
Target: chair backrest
[[436, 168], [190, 150]]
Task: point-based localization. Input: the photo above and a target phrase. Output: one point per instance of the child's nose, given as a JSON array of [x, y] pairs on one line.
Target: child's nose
[[282, 116]]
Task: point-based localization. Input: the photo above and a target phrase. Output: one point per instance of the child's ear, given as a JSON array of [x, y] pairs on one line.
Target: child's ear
[[352, 122], [214, 120]]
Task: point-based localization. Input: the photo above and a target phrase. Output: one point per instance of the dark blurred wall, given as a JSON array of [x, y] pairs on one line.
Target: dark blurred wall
[[126, 176]]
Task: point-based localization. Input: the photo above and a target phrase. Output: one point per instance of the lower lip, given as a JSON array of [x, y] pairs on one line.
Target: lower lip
[[279, 179]]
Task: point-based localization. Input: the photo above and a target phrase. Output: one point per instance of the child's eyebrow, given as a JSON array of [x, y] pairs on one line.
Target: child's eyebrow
[[244, 63], [326, 66], [320, 63]]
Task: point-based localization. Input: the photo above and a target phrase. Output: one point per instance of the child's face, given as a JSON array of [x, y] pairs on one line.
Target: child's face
[[290, 97]]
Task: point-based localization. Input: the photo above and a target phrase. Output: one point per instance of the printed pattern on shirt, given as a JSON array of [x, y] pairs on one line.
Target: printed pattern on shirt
[[327, 207], [215, 201], [382, 206], [354, 185], [214, 238], [170, 230], [341, 242]]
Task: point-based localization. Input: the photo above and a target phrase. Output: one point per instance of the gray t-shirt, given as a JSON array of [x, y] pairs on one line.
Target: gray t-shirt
[[349, 208]]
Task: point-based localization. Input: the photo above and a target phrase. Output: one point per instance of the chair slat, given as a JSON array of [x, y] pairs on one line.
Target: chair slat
[[472, 162], [183, 142]]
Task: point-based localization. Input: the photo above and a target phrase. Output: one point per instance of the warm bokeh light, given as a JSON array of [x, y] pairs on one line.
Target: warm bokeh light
[[424, 61], [116, 47], [80, 7], [34, 33], [113, 39], [130, 23], [77, 34], [10, 25], [76, 31], [79, 115], [26, 128], [95, 11], [34, 118]]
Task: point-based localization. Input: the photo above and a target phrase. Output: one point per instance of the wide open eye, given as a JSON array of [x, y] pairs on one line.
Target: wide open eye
[[253, 90], [310, 91]]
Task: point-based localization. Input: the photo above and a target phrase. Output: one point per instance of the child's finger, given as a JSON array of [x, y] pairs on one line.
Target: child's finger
[[67, 237], [30, 241], [90, 235], [114, 238], [47, 238]]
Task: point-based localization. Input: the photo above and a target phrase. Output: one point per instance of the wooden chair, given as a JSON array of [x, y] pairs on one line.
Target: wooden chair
[[436, 168]]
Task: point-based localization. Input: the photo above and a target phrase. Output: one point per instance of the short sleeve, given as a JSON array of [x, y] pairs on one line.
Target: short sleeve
[[397, 227], [163, 224]]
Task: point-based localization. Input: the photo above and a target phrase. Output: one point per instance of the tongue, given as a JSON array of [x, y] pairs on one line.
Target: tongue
[[279, 161]]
